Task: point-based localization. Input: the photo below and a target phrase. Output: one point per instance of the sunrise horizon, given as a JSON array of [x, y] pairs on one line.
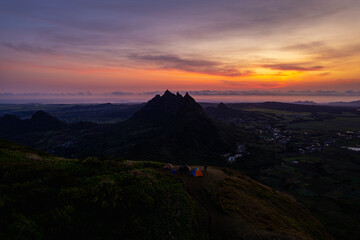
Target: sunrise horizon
[[180, 119], [70, 48]]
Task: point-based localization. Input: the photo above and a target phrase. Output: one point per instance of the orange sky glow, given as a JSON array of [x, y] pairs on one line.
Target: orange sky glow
[[122, 46]]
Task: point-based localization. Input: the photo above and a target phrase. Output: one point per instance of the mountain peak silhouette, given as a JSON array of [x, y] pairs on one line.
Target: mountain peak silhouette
[[170, 104], [222, 106], [177, 127], [43, 120]]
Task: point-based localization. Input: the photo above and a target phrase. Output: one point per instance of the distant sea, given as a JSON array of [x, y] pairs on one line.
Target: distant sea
[[199, 98]]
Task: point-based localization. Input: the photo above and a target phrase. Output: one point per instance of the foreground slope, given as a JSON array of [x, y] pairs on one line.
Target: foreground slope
[[234, 206], [46, 197]]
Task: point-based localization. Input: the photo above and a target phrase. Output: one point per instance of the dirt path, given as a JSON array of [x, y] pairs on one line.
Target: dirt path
[[212, 221]]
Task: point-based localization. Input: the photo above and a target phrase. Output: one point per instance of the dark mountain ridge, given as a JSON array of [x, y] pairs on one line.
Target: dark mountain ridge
[[168, 128], [43, 121], [345, 104], [40, 122], [168, 107], [223, 111], [352, 104], [171, 104], [71, 113], [293, 107], [173, 128]]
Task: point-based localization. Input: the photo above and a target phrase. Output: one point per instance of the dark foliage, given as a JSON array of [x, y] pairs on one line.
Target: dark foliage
[[44, 197]]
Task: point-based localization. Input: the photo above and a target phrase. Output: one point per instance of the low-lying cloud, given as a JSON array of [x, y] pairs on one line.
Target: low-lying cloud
[[190, 65], [115, 94], [274, 93], [25, 47], [293, 67], [46, 94]]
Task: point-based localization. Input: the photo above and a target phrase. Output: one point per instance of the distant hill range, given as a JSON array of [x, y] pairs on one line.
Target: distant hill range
[[294, 107], [345, 104], [335, 104], [306, 102], [11, 125], [71, 113], [170, 128], [224, 112]]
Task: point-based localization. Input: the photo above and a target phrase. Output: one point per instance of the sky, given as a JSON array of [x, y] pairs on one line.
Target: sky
[[127, 48]]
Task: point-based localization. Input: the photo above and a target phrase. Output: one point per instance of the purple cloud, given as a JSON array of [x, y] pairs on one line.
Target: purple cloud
[[190, 65], [24, 47], [293, 67]]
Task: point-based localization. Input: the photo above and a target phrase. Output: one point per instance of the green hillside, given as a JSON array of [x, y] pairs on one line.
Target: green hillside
[[46, 197]]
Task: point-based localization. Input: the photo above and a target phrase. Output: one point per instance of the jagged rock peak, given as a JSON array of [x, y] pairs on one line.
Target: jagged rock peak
[[10, 117], [172, 104], [187, 95], [222, 106], [41, 117], [168, 93]]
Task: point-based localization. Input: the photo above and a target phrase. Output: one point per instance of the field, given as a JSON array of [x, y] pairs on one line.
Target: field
[[338, 124]]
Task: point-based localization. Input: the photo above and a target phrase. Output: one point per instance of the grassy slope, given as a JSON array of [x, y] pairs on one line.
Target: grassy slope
[[327, 184], [234, 206], [45, 197]]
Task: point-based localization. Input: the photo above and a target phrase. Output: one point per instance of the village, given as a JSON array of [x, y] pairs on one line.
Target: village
[[294, 140]]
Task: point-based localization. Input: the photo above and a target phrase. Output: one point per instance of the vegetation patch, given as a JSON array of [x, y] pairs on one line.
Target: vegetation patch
[[44, 197]]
